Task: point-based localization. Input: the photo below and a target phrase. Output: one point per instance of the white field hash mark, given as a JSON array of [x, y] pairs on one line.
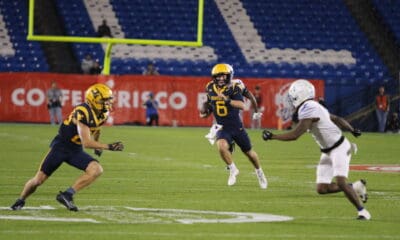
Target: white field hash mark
[[148, 215], [199, 216]]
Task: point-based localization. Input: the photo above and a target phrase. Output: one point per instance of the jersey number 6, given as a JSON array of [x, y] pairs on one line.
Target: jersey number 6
[[222, 110]]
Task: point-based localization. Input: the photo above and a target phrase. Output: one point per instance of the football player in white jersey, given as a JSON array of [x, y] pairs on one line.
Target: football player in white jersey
[[336, 150]]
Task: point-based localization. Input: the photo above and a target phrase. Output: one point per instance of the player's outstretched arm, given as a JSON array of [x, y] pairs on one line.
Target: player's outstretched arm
[[96, 137], [88, 142], [300, 129], [252, 99], [343, 124], [254, 105]]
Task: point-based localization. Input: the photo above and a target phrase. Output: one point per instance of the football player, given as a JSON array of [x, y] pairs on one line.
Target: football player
[[225, 100], [336, 150], [80, 130]]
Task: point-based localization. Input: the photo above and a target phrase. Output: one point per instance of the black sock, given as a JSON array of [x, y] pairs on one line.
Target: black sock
[[70, 191]]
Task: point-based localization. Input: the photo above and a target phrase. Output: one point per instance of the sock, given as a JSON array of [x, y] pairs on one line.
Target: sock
[[360, 209], [259, 171], [232, 166], [71, 191]]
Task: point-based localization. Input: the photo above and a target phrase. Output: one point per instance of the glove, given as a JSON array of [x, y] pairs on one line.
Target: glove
[[356, 132], [267, 135], [257, 115], [98, 152], [117, 146]]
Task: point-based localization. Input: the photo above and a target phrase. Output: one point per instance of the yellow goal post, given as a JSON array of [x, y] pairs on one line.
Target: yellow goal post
[[111, 41]]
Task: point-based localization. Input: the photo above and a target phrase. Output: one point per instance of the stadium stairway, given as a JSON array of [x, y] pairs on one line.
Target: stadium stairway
[[378, 32], [6, 48], [389, 12], [59, 55]]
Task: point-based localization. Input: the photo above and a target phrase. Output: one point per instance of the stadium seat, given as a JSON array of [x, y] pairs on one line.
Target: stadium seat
[[313, 39]]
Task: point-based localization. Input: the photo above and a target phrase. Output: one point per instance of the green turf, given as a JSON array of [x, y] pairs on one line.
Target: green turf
[[176, 168]]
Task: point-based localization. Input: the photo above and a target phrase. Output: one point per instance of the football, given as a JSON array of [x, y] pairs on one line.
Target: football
[[206, 109]]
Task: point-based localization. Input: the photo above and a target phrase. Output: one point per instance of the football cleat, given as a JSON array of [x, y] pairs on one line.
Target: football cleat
[[364, 215], [18, 205], [66, 200], [361, 189], [262, 180], [232, 176]]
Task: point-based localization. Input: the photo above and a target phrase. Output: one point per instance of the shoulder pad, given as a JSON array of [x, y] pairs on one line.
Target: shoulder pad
[[209, 84], [239, 83]]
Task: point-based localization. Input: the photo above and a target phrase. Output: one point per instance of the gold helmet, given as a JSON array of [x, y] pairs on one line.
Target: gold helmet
[[222, 69], [100, 97]]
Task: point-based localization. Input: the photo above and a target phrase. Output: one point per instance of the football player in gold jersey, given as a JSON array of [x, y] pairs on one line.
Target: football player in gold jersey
[[80, 130], [225, 100]]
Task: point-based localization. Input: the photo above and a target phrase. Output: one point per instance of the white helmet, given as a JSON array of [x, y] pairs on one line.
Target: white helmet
[[300, 91]]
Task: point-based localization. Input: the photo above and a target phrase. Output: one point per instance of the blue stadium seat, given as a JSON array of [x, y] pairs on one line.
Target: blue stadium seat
[[15, 17]]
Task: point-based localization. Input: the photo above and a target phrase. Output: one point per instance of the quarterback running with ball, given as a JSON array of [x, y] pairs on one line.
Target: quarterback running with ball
[[225, 100], [336, 150], [80, 129]]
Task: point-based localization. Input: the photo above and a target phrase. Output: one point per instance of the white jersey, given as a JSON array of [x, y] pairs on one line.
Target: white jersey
[[324, 131]]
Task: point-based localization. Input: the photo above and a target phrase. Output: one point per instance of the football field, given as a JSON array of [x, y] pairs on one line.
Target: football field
[[169, 183]]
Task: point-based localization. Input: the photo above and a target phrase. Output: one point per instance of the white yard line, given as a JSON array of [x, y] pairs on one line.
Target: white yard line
[[47, 219], [121, 214], [195, 216], [32, 208]]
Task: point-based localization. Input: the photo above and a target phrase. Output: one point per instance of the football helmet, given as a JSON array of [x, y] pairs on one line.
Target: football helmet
[[100, 97], [300, 91], [222, 69]]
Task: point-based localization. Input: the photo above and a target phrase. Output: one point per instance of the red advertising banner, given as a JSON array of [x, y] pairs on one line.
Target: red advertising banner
[[23, 97]]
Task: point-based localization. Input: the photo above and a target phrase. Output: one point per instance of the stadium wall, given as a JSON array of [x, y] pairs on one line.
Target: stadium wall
[[23, 97]]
